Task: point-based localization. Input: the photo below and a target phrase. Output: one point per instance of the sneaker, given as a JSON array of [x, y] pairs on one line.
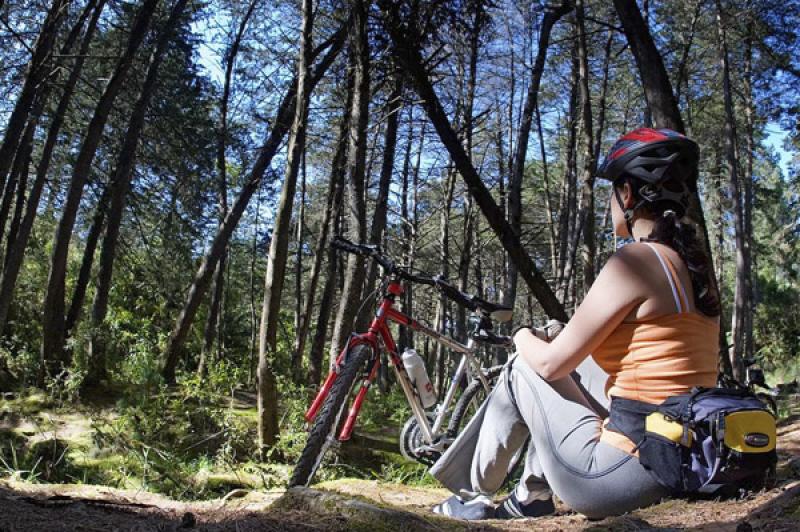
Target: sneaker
[[511, 508], [480, 507]]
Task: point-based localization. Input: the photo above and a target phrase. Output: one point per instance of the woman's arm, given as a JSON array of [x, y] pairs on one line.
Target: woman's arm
[[620, 287]]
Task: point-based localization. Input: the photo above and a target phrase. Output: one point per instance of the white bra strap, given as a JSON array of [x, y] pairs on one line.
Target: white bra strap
[[669, 277], [683, 293]]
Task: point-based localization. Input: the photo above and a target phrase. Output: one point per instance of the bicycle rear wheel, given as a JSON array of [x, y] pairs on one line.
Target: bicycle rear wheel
[[769, 401], [469, 402], [324, 428]]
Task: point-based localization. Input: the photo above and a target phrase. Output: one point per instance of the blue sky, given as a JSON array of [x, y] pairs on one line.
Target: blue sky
[[776, 138], [209, 60]]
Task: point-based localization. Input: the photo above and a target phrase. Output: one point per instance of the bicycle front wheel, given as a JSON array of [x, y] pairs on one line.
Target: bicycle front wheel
[[324, 429]]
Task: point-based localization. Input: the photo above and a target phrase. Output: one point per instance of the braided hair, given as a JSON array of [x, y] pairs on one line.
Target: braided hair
[[671, 230]]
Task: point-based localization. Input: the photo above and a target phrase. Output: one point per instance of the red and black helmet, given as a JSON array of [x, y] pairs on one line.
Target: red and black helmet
[[652, 155], [662, 160]]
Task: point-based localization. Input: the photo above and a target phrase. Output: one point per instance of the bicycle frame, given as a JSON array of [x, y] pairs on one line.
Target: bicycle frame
[[379, 334]]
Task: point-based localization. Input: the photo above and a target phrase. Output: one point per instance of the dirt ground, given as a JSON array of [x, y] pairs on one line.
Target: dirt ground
[[369, 505]]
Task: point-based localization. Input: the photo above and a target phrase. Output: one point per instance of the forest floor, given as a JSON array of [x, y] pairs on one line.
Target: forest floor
[[355, 504]]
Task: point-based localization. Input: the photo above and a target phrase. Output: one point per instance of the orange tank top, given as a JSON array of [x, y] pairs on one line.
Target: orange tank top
[[654, 359]]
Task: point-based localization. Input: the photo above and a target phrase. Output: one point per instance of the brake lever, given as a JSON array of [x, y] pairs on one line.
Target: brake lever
[[489, 337]]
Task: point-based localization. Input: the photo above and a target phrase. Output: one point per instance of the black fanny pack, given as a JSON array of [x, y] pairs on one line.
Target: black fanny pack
[[711, 440]]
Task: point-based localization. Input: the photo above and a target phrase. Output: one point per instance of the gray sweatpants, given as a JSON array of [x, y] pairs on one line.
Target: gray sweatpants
[[564, 456]]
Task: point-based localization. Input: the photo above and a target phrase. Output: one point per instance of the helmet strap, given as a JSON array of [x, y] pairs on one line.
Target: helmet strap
[[627, 213]]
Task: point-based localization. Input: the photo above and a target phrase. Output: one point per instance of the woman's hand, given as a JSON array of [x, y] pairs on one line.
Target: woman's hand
[[553, 328], [547, 333]]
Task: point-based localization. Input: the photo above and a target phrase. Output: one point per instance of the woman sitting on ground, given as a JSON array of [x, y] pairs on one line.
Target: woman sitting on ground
[[647, 330]]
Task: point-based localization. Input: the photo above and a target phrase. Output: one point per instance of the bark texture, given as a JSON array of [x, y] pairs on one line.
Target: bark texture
[[16, 251], [53, 319], [118, 191], [202, 278], [354, 273], [552, 15], [408, 56], [279, 247], [658, 92]]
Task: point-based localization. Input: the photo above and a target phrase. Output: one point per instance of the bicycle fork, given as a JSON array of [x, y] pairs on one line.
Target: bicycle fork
[[347, 429], [350, 422], [319, 400]]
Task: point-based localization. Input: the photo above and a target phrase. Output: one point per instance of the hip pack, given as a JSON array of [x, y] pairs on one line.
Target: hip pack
[[708, 441]]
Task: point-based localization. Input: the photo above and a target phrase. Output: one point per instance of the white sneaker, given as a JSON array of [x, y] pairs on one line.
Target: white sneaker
[[480, 507]]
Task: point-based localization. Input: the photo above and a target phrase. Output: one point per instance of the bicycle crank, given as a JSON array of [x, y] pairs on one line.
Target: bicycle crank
[[414, 447]]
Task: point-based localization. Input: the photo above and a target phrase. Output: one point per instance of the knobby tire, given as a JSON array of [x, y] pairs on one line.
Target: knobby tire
[[457, 420], [462, 405], [327, 421]]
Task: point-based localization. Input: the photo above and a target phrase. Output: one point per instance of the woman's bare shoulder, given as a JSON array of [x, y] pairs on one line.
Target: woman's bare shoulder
[[630, 259]]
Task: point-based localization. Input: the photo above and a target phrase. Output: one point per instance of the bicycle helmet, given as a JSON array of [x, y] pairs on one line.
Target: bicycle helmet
[[661, 165]]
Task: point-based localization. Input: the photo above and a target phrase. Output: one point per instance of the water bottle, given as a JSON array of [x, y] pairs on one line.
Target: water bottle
[[419, 377]]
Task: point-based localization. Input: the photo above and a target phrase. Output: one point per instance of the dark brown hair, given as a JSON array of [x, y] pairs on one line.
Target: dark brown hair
[[669, 230]]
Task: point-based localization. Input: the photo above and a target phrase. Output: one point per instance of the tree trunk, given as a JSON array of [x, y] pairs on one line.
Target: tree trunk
[[443, 308], [252, 299], [118, 190], [566, 244], [552, 14], [740, 302], [298, 254], [464, 261], [593, 252], [750, 277], [218, 281], [13, 228], [17, 168], [34, 76], [279, 246], [85, 271], [273, 142], [316, 353], [468, 230], [415, 212], [334, 195], [17, 248], [719, 213], [211, 331], [586, 219], [355, 272], [683, 76], [53, 321], [11, 190], [409, 58], [664, 107], [409, 221], [655, 81], [444, 259], [548, 203], [378, 226]]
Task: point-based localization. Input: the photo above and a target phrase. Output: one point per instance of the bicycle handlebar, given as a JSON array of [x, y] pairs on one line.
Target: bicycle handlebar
[[385, 262], [469, 301]]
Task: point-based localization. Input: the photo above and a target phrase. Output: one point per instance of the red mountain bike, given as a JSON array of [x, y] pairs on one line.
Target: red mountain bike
[[425, 435]]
